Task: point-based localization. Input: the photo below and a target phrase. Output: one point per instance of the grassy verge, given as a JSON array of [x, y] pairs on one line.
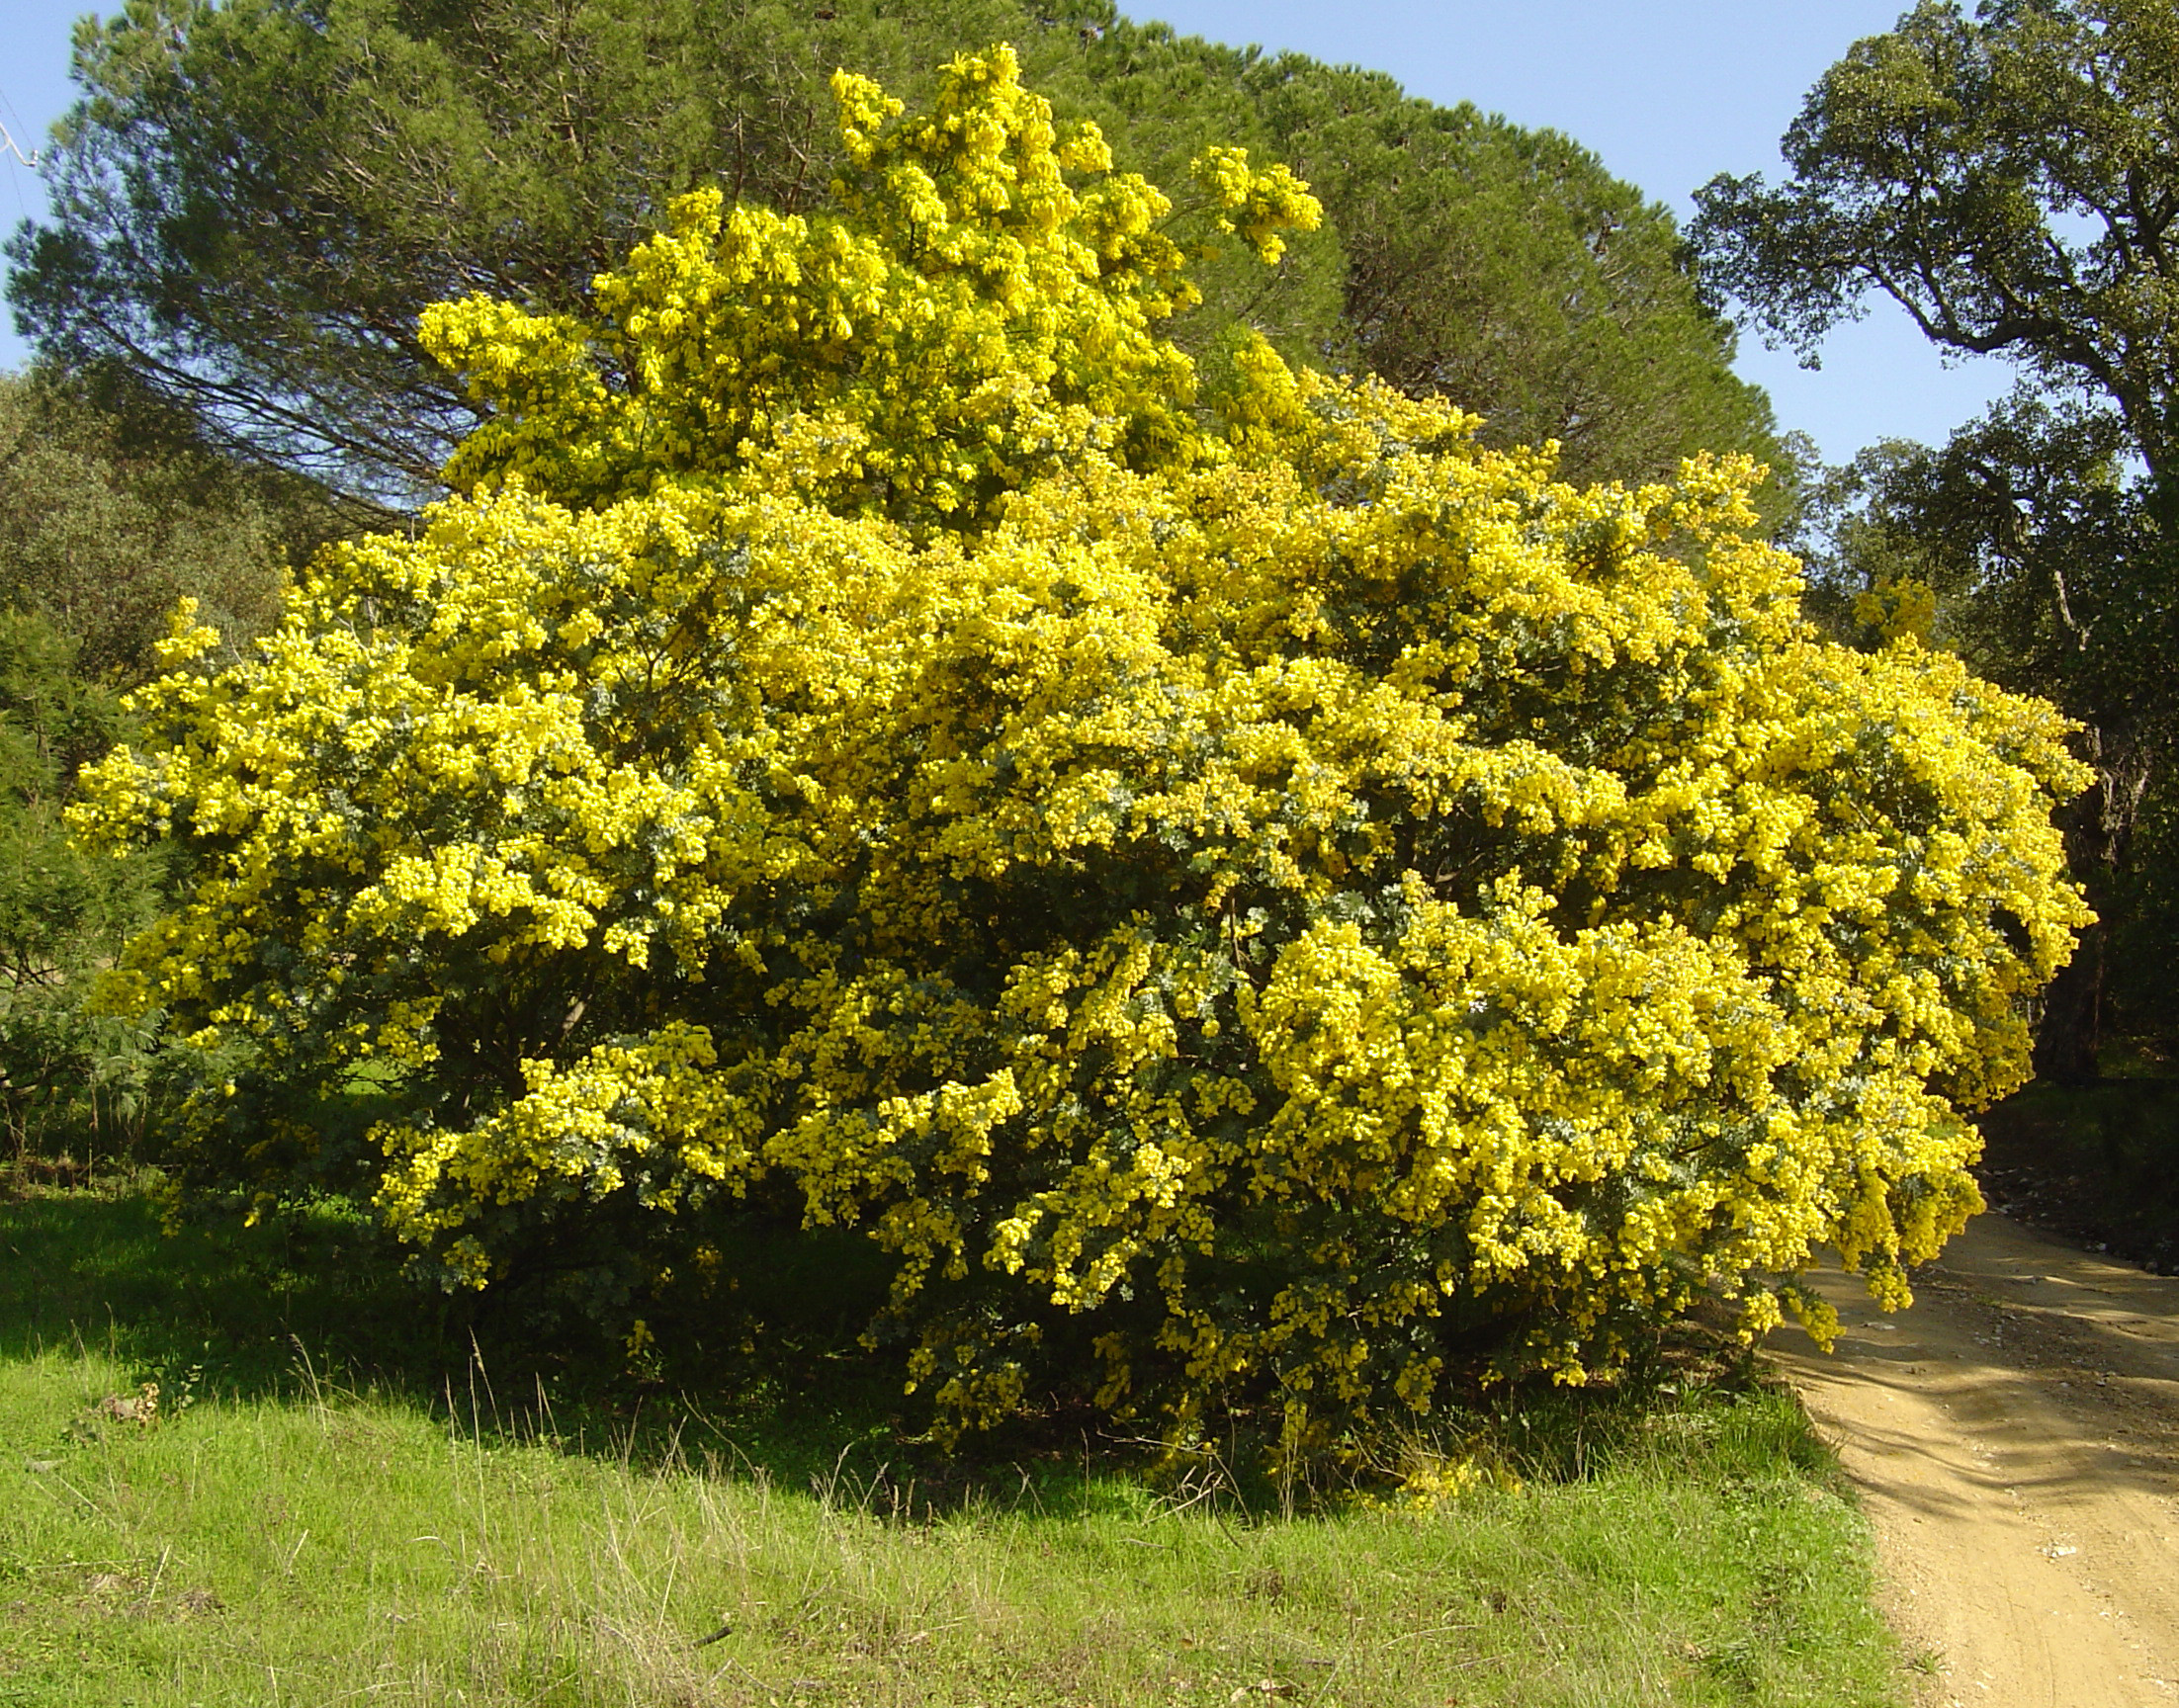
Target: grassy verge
[[285, 1537]]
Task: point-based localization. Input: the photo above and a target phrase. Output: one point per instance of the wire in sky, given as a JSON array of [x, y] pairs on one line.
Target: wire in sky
[[14, 150], [8, 141]]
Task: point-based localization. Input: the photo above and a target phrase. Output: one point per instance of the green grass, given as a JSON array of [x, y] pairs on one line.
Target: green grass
[[290, 1537]]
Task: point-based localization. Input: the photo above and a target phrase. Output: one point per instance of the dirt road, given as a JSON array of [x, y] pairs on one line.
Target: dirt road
[[2016, 1440]]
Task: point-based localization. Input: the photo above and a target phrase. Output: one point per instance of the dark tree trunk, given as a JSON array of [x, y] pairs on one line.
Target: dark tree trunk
[[2097, 829]]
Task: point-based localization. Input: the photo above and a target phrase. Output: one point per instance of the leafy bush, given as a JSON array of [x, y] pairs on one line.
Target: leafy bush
[[1239, 895], [111, 508], [72, 1083]]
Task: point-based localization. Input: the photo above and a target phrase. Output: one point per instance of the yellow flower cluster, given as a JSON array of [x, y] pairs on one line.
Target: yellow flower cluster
[[1256, 884], [969, 321]]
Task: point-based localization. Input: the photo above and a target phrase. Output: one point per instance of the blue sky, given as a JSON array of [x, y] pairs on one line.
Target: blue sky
[[1665, 94]]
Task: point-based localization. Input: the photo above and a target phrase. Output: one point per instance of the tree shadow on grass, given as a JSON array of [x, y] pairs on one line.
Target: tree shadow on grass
[[243, 1307], [315, 1299]]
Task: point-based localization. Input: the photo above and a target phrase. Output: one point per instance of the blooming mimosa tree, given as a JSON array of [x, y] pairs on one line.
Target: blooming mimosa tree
[[1235, 889]]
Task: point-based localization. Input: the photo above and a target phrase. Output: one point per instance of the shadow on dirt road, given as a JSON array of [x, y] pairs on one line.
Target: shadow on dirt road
[[2015, 1438]]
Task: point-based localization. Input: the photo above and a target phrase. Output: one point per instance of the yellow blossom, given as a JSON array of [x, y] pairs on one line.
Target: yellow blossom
[[868, 741]]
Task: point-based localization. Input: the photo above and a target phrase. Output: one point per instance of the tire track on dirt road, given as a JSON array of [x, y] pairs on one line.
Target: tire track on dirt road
[[2015, 1438]]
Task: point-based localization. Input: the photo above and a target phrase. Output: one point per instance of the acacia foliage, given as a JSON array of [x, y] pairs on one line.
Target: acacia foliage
[[1237, 892]]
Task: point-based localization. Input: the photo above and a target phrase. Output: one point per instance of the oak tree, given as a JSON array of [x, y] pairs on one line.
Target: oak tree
[[2009, 179]]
